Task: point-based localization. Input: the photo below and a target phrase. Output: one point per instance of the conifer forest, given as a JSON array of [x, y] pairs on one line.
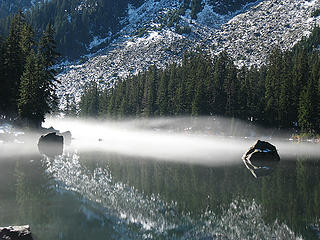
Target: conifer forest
[[27, 78], [159, 119], [283, 93]]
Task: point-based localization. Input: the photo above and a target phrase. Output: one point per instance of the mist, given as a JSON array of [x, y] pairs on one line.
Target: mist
[[22, 145], [210, 141]]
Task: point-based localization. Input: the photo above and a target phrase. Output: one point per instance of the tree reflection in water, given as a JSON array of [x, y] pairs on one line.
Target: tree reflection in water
[[30, 195], [34, 191], [290, 195]]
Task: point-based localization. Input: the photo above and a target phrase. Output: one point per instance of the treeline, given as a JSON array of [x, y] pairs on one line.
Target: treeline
[[283, 93], [26, 75]]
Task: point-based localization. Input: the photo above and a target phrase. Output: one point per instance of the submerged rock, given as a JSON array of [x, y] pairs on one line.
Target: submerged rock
[[51, 144], [16, 233], [261, 158]]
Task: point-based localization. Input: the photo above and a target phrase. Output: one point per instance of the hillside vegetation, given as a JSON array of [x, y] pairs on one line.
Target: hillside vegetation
[[284, 93]]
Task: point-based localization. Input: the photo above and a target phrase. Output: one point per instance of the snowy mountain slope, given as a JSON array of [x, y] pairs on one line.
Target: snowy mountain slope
[[127, 57], [248, 35], [131, 53]]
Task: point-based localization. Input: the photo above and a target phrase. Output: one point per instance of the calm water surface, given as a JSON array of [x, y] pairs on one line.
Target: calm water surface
[[99, 195]]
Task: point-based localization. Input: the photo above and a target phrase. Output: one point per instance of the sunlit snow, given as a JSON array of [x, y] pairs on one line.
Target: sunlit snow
[[248, 35]]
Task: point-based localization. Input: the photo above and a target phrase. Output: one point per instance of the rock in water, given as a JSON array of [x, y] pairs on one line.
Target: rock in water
[[262, 151], [66, 137], [51, 144], [261, 158], [16, 233]]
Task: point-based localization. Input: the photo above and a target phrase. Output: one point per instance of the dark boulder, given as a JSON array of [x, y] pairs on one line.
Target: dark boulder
[[66, 137], [261, 158], [16, 233], [262, 151], [51, 144]]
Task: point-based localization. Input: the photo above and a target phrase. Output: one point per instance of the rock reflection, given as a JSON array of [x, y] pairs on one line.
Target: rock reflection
[[261, 159], [261, 168]]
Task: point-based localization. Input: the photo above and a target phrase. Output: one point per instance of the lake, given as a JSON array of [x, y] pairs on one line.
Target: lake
[[95, 194]]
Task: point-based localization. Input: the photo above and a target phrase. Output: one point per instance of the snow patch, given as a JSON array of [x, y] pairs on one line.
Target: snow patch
[[132, 13], [209, 17], [153, 36], [310, 3], [248, 35], [97, 41]]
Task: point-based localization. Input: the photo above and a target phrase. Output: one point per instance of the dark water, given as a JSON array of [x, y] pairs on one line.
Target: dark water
[[96, 195]]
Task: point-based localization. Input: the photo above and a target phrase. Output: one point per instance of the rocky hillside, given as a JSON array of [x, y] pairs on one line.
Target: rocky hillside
[[247, 34], [249, 37]]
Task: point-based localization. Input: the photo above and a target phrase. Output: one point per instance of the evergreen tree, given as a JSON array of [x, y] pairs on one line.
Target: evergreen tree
[[14, 60], [104, 100], [140, 92], [49, 56], [71, 107], [150, 90], [318, 109], [31, 105], [93, 107], [199, 101], [111, 103], [162, 101], [180, 101], [314, 82], [220, 72], [285, 108], [273, 82], [305, 110], [300, 75], [28, 79], [27, 42], [89, 103], [4, 87], [230, 86], [172, 88], [243, 97], [37, 88]]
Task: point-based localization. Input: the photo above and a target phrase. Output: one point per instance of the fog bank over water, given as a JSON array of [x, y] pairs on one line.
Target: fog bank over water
[[12, 146], [212, 141]]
